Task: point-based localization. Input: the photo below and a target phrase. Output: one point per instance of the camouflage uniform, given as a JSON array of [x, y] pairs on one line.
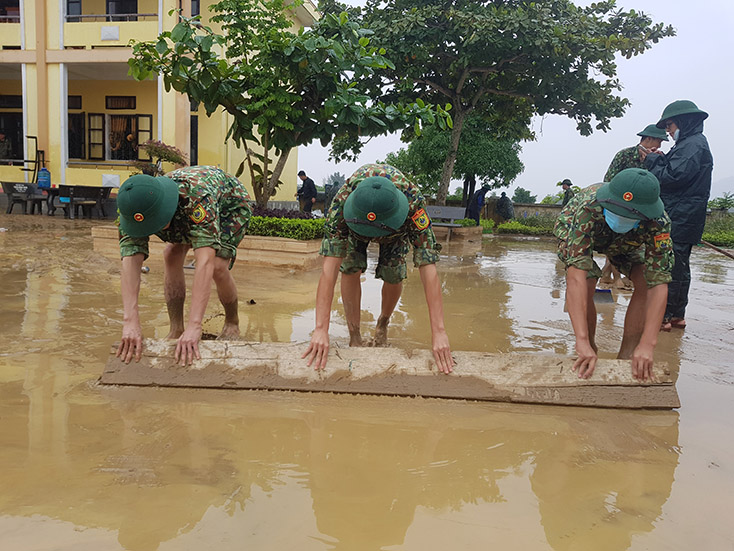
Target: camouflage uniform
[[339, 241], [581, 229], [213, 211], [627, 158]]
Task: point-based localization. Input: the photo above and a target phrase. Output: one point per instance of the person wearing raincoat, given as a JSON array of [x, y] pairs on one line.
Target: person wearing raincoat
[[684, 174]]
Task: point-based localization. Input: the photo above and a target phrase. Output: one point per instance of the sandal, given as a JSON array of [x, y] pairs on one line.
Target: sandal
[[678, 323], [666, 326]]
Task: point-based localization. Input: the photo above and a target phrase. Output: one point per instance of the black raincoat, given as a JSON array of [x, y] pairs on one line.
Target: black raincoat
[[685, 179]]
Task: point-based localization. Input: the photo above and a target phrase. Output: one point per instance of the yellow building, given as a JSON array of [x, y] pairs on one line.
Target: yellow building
[[63, 79]]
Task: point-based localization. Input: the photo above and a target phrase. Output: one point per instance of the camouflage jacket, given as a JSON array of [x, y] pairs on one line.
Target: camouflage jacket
[[207, 195], [581, 229], [627, 158], [337, 232]]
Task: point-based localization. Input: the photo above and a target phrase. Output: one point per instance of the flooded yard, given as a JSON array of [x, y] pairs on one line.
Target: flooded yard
[[88, 467]]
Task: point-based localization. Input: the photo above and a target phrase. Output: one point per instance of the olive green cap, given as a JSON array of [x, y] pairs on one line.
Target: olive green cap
[[375, 207], [632, 193], [680, 107], [146, 204], [652, 131]]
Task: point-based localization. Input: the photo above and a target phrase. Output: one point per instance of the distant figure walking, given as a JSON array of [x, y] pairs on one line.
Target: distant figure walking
[[505, 208], [476, 203], [307, 193], [567, 191]]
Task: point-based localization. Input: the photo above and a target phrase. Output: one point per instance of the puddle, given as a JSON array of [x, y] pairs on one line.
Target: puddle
[[87, 467]]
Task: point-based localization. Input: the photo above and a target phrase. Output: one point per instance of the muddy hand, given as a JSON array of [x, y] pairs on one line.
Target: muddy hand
[[318, 350], [187, 347], [131, 344], [586, 361]]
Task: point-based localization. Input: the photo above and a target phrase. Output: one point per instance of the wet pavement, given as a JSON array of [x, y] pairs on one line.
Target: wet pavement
[[86, 467]]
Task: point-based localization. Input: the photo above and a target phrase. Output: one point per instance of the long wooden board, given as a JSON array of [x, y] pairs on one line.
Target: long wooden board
[[526, 378]]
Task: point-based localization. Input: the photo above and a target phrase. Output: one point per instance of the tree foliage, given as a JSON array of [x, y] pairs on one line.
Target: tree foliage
[[282, 89], [480, 158], [522, 195], [510, 60]]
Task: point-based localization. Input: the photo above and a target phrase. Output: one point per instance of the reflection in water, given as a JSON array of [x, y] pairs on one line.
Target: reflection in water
[[173, 469]]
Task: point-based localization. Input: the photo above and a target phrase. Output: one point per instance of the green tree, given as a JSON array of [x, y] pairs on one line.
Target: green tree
[[523, 196], [480, 158], [283, 89], [726, 201], [509, 60], [552, 199]]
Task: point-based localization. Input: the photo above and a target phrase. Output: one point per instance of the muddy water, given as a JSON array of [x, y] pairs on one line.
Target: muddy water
[[84, 467]]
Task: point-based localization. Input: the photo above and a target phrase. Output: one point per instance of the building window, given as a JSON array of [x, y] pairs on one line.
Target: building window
[[74, 102], [73, 7], [194, 141], [119, 102], [11, 142], [9, 11], [76, 136], [116, 137], [195, 9], [125, 9], [11, 102], [96, 136]]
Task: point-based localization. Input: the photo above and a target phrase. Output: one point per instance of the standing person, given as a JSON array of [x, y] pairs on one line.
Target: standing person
[[6, 149], [567, 191], [476, 203], [504, 207], [201, 207], [377, 203], [307, 193], [652, 138], [625, 220], [685, 186]]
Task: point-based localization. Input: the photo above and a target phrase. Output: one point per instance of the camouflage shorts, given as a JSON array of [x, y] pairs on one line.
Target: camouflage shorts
[[391, 265], [623, 262], [233, 223]]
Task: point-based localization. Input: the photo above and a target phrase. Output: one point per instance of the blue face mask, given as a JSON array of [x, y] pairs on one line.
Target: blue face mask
[[620, 224], [676, 134]]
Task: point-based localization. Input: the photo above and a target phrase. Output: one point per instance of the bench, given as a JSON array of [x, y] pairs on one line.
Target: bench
[[444, 217], [23, 194], [72, 198]]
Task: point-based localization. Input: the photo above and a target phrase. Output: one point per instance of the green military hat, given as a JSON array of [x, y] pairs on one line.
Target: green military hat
[[565, 182], [375, 207], [678, 108], [632, 193], [146, 204], [652, 131]]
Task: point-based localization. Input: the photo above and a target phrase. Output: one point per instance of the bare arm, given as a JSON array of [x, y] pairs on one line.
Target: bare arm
[[131, 343], [318, 349], [577, 302], [187, 347], [434, 299], [642, 357]]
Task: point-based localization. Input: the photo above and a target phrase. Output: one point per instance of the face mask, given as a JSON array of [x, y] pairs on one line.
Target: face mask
[[676, 134], [620, 224]]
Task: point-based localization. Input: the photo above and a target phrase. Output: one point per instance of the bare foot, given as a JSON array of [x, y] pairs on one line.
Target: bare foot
[[355, 339], [381, 332], [230, 332], [174, 334]]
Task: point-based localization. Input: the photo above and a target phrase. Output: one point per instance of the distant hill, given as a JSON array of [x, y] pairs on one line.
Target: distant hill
[[718, 187]]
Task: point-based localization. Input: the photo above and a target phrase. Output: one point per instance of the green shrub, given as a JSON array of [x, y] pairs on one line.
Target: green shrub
[[719, 231], [287, 227], [487, 225], [466, 222], [544, 221], [514, 226]]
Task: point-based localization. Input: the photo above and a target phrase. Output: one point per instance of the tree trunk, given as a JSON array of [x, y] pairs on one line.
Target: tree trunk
[[264, 192], [448, 164]]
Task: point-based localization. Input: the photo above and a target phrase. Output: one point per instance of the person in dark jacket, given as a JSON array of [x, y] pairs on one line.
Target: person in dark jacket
[[504, 207], [476, 203], [685, 185], [567, 191], [307, 193]]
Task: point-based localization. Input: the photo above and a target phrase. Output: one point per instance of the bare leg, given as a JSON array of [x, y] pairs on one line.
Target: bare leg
[[351, 287], [174, 286], [634, 319], [591, 312], [390, 295], [227, 293]]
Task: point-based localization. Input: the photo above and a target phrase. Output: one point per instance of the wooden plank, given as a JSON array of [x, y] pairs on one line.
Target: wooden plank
[[525, 378]]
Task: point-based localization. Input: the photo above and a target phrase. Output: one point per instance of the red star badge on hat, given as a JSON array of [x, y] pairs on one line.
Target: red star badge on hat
[[138, 217], [628, 196]]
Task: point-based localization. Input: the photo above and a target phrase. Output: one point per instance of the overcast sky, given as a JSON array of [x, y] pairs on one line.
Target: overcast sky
[[697, 64]]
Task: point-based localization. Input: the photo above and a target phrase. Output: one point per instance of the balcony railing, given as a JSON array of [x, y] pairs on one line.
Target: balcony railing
[[111, 17], [10, 18]]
